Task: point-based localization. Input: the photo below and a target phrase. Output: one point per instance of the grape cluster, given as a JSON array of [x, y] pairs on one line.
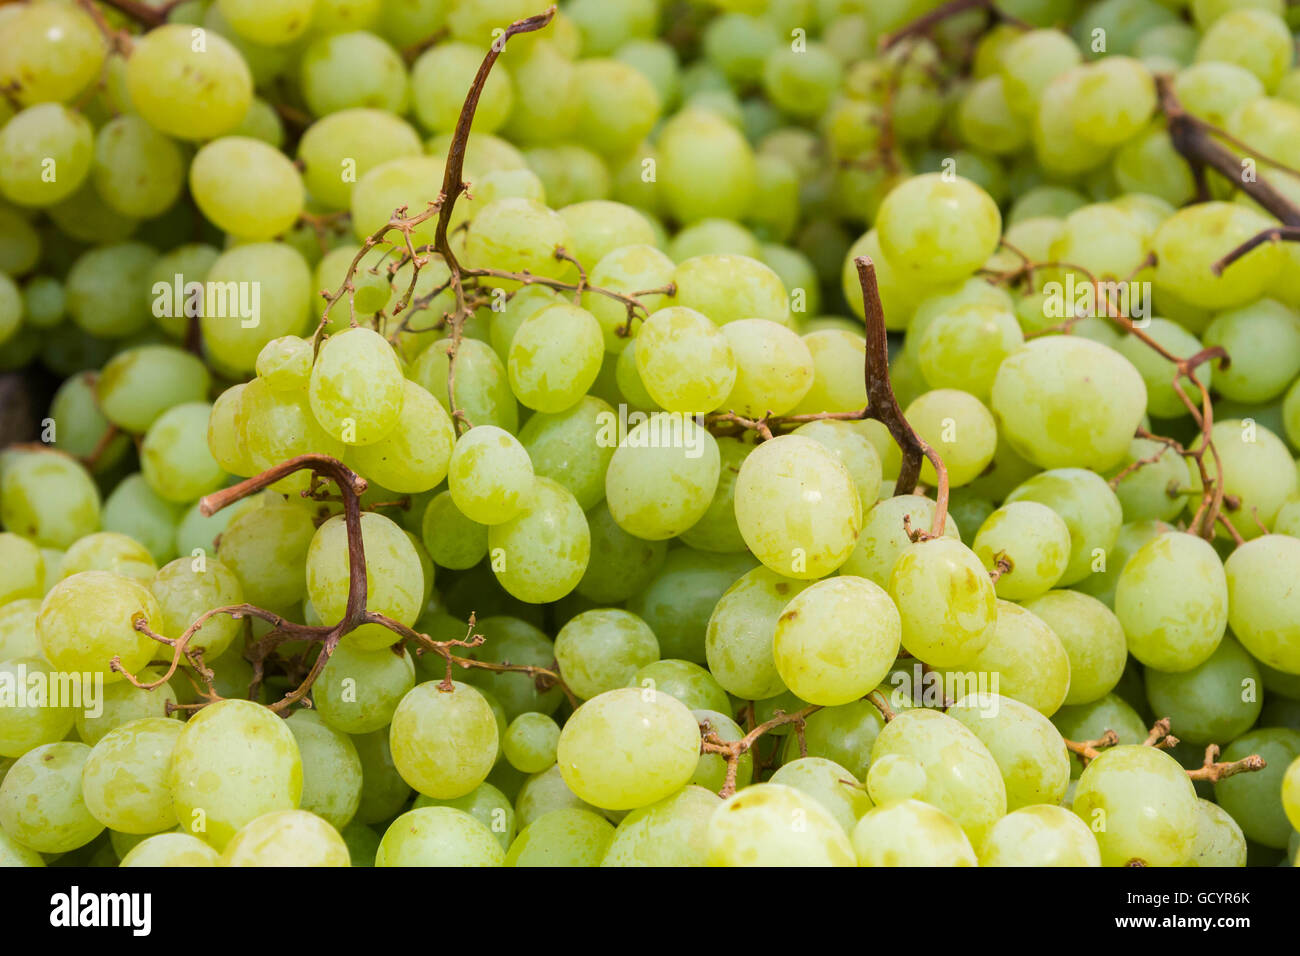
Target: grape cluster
[[724, 432]]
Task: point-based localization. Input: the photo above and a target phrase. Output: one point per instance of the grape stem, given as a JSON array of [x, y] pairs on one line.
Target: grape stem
[[922, 25], [1159, 735], [1214, 771], [1089, 750], [732, 750]]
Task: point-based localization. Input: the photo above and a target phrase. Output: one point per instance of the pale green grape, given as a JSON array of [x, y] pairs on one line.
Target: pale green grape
[[850, 444], [482, 386], [246, 187], [1140, 805], [1027, 748], [962, 348], [41, 806], [662, 476], [569, 174], [394, 577], [960, 428], [774, 368], [285, 363], [124, 783], [45, 154], [453, 539], [31, 722], [1176, 577], [172, 306], [727, 288], [486, 804], [1291, 792], [439, 836], [358, 690], [1024, 660], [1264, 341], [1219, 841], [174, 456], [1213, 90], [628, 748], [272, 23], [771, 824], [1256, 469], [545, 792], [1033, 540], [895, 777], [357, 387], [331, 769], [87, 620], [554, 357], [706, 169], [939, 230], [383, 791], [634, 267], [106, 294], [137, 170], [714, 237], [1192, 239], [48, 498], [1255, 39], [348, 70], [684, 361], [193, 88], [109, 551], [407, 180], [1040, 836], [518, 642], [1156, 489], [598, 227], [171, 849], [1254, 799], [600, 650], [690, 683], [1089, 509], [518, 235], [1158, 372], [573, 447], [121, 703], [884, 537], [987, 121], [828, 783], [254, 293], [1090, 721], [672, 832], [443, 742], [541, 553], [136, 510], [945, 600], [339, 149], [618, 105], [439, 80], [529, 742], [81, 427], [801, 82], [18, 627], [1216, 700], [680, 597], [742, 630], [910, 833], [24, 569], [1093, 639], [282, 838], [567, 837], [1262, 605], [1113, 99], [1030, 62], [267, 548], [414, 456], [50, 53]]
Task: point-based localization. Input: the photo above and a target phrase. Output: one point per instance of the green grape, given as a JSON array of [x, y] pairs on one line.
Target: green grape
[[443, 742], [895, 777], [662, 477], [1214, 90], [1024, 659], [545, 792], [567, 837], [1032, 541], [546, 98], [415, 454], [829, 784], [272, 24], [383, 791], [945, 600], [41, 806], [604, 28], [884, 536], [136, 510], [672, 832], [106, 291], [30, 722], [285, 363], [267, 549], [1264, 341], [554, 357], [439, 836], [962, 348], [1257, 470], [254, 293], [1291, 792], [351, 70], [48, 498], [1040, 836], [1155, 490], [568, 174], [1027, 748], [679, 599], [714, 237], [711, 771], [1255, 39], [403, 181], [123, 702], [801, 82], [541, 553], [45, 154], [1089, 509], [275, 426], [630, 268], [172, 306], [394, 577], [452, 539], [358, 690], [486, 804], [628, 748], [518, 235], [1113, 100], [1140, 805], [50, 53], [1158, 372], [854, 450], [942, 231], [717, 531], [44, 302], [836, 640], [1064, 401], [261, 123], [109, 551], [245, 187], [331, 769], [439, 79], [986, 119], [1191, 240], [124, 783], [618, 105], [137, 170], [690, 683], [1216, 700], [1262, 606], [18, 627], [482, 387], [518, 642], [193, 88], [727, 288], [910, 833], [601, 650], [741, 632], [23, 574], [1219, 841], [87, 620], [281, 838], [357, 387], [572, 447], [1093, 639], [339, 149], [171, 849], [1031, 62], [1254, 799], [771, 824], [1176, 577], [960, 428], [529, 742], [599, 227], [684, 361], [1090, 721], [20, 244], [174, 456], [706, 169]]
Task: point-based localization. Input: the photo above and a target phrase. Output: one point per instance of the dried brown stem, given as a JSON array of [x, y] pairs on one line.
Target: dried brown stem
[[1214, 771], [922, 25], [733, 750], [1089, 750]]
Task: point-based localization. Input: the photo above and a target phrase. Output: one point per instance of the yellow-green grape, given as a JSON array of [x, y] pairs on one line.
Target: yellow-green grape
[[186, 89], [829, 784], [893, 777], [554, 357], [1263, 339], [50, 54], [1216, 700], [452, 539], [1158, 372], [1027, 748], [234, 761], [672, 832], [706, 169], [1291, 793], [938, 230], [774, 368], [31, 722], [717, 530], [541, 553], [1093, 639], [910, 833], [18, 627], [23, 573], [1256, 468], [1258, 40], [1040, 836], [544, 793], [40, 799], [394, 577], [482, 387], [443, 742], [410, 181], [48, 498], [357, 387], [81, 426], [439, 79], [884, 536], [345, 70], [962, 347], [124, 783], [1032, 543], [601, 649], [45, 154], [139, 384], [1191, 240], [837, 373], [681, 595], [797, 507], [358, 690], [267, 548], [490, 475], [1113, 100], [1156, 490], [574, 447], [836, 640], [728, 288], [962, 778], [331, 769], [171, 849], [224, 439], [1140, 805], [246, 187], [566, 837], [1254, 799], [1219, 841], [88, 619], [1176, 577], [1033, 60], [186, 589], [174, 456], [137, 170], [529, 742], [628, 748], [771, 824], [630, 268], [270, 24], [123, 702], [486, 804], [598, 227], [1024, 659], [854, 450], [957, 426], [618, 105], [439, 836], [109, 551], [711, 770], [662, 476], [1089, 509], [684, 361], [518, 235], [1064, 401], [294, 838], [366, 137], [690, 683], [255, 292], [987, 121], [741, 632], [137, 511], [275, 426], [945, 600], [414, 456]]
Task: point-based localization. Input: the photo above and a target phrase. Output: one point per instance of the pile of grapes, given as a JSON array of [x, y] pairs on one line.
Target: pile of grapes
[[725, 432]]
